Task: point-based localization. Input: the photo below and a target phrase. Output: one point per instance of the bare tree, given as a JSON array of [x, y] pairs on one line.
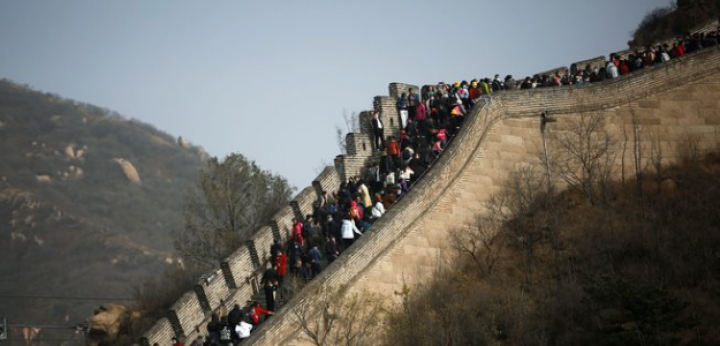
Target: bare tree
[[479, 243], [351, 125], [583, 154], [337, 320]]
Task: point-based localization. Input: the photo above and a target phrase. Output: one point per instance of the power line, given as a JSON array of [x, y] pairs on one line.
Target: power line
[[36, 340], [17, 296], [43, 326]]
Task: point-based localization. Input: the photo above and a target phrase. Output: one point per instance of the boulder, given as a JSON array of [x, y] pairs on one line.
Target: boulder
[[70, 151], [43, 178], [183, 143], [130, 171], [106, 323]]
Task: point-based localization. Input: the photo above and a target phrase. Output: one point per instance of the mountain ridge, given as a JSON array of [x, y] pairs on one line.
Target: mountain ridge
[[88, 201]]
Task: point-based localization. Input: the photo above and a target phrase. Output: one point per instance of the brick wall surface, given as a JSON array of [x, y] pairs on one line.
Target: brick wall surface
[[396, 89], [387, 106], [216, 290], [594, 62], [189, 312], [670, 103], [283, 221], [161, 333], [328, 180], [241, 265], [360, 144], [365, 125], [305, 200], [263, 240]]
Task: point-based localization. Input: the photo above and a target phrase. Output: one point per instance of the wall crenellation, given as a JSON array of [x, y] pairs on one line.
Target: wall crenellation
[[235, 282]]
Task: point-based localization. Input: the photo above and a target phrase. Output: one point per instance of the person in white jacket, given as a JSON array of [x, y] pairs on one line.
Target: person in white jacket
[[243, 330], [379, 209], [348, 230]]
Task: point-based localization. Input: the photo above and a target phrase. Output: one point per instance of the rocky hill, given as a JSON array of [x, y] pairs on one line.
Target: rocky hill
[[88, 200]]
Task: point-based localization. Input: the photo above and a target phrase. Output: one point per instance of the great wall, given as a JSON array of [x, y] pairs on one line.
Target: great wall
[[663, 109]]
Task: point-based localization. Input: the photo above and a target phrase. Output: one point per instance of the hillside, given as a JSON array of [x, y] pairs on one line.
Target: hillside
[[639, 267], [88, 200], [675, 19]]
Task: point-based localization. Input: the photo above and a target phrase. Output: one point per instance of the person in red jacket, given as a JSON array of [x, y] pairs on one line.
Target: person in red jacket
[[176, 342], [393, 150], [281, 262], [297, 231], [256, 312]]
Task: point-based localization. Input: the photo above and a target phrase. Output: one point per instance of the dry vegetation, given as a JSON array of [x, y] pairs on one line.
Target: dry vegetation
[[634, 262], [673, 20]]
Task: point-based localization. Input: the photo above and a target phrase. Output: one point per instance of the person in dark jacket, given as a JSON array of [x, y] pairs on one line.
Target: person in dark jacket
[[270, 281], [234, 317], [315, 260], [332, 250], [275, 249], [213, 328]]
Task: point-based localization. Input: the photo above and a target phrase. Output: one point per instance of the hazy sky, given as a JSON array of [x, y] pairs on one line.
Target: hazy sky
[[270, 79]]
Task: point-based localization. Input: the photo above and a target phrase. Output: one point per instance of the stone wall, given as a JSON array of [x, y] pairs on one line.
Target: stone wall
[[161, 333], [671, 104], [593, 63], [235, 282]]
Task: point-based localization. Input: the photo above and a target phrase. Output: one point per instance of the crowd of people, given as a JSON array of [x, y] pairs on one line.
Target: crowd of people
[[429, 118]]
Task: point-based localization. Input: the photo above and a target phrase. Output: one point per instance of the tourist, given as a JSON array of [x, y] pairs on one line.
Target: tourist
[[270, 280], [315, 260], [332, 250], [378, 129], [348, 231], [243, 330]]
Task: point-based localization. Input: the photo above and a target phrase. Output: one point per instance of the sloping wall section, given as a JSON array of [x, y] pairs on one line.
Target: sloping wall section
[[670, 105]]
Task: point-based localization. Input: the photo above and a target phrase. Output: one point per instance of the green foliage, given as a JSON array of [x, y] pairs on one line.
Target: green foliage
[[235, 199]]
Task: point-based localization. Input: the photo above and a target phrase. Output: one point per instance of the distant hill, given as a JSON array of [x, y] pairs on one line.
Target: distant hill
[[88, 200], [675, 19]]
